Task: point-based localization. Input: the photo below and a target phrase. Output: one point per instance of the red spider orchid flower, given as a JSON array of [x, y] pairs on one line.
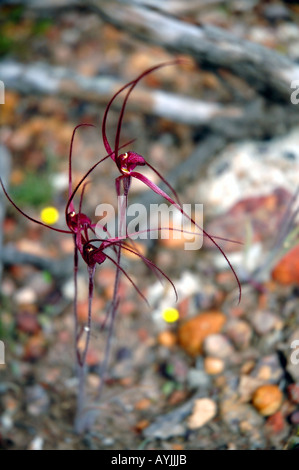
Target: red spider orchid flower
[[79, 226], [78, 222], [128, 161]]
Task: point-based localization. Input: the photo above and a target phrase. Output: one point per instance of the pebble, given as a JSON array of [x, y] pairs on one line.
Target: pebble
[[6, 421], [247, 367], [27, 322], [171, 424], [25, 296], [223, 191], [268, 368], [239, 331], [37, 400], [287, 32], [35, 347], [247, 387], [293, 393], [263, 322], [213, 365], [143, 404], [204, 410], [267, 399], [108, 441], [261, 35], [36, 443], [293, 50], [167, 338], [68, 289], [59, 181], [293, 370], [40, 284], [177, 397], [235, 414], [275, 12], [218, 345], [275, 423], [198, 379], [286, 271], [293, 356], [141, 425], [269, 341], [192, 333], [295, 417], [94, 381]]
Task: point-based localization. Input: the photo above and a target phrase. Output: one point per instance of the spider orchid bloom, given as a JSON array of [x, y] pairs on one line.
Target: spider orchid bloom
[[79, 225], [79, 222], [128, 161]]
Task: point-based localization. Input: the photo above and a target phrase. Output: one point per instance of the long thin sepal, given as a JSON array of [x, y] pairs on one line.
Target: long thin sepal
[[149, 263], [71, 155], [128, 277], [131, 84], [28, 216]]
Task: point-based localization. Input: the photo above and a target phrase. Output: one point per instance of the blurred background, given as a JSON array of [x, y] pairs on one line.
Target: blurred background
[[223, 129]]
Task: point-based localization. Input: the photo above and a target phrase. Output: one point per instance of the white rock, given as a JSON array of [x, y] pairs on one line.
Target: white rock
[[204, 410], [68, 289], [263, 322], [36, 444], [251, 169], [25, 295], [218, 346]]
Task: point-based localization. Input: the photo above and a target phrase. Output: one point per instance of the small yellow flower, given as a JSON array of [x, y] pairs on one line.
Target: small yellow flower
[[49, 215], [170, 315]]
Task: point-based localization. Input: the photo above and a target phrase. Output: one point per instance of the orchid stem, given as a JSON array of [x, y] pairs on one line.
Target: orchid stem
[[114, 304], [81, 361]]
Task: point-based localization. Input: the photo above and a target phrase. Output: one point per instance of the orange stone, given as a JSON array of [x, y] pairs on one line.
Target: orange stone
[[143, 404], [141, 425], [35, 347], [192, 333], [287, 269], [267, 399], [167, 338]]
